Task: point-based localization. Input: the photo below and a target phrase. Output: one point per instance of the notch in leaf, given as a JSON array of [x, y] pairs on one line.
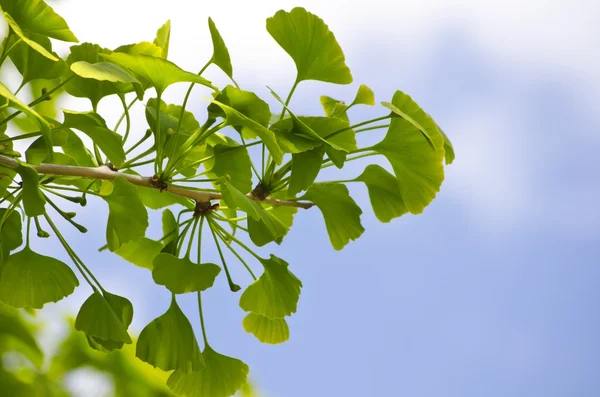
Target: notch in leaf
[[180, 275], [169, 343], [276, 292], [266, 330], [29, 279]]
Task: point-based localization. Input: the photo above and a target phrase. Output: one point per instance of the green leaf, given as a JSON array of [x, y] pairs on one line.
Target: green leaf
[[17, 104], [267, 330], [408, 109], [98, 319], [142, 48], [123, 309], [159, 72], [340, 212], [305, 168], [94, 126], [91, 88], [31, 43], [155, 199], [236, 199], [384, 193], [170, 232], [261, 235], [235, 162], [169, 343], [220, 56], [32, 65], [312, 46], [222, 376], [334, 108], [180, 275], [127, 218], [28, 279], [163, 36], [448, 147], [35, 16], [68, 141], [33, 199], [238, 119], [102, 71], [12, 233], [275, 294], [364, 96], [140, 252], [419, 169], [16, 335], [289, 138]]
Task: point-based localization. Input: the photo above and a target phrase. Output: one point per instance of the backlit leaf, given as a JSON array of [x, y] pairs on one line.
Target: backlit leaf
[[94, 126], [17, 104], [140, 252], [419, 169], [384, 193], [275, 294], [340, 212], [98, 319], [312, 46], [448, 147], [222, 376], [12, 234], [261, 235], [334, 108], [35, 16], [235, 162], [123, 309], [180, 275], [102, 71], [168, 342], [33, 199], [163, 36], [266, 330], [220, 56], [28, 279], [408, 109], [364, 96], [305, 168], [127, 218], [32, 65]]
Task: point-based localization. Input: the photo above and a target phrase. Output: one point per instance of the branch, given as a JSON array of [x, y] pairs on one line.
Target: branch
[[104, 172]]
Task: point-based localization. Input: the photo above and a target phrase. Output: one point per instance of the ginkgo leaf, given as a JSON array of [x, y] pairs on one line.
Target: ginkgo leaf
[[31, 43], [276, 292], [236, 199], [220, 56], [32, 65], [140, 252], [222, 376], [155, 199], [180, 275], [168, 342], [94, 126], [98, 319], [123, 309], [364, 96], [103, 71], [384, 193], [340, 212], [12, 235], [36, 16], [290, 140], [16, 103], [419, 169], [238, 119], [266, 330], [142, 48], [127, 218], [312, 46], [334, 107], [33, 199], [159, 72], [305, 168], [163, 36], [235, 162], [28, 279], [261, 235], [405, 107], [245, 102], [170, 229], [448, 147]]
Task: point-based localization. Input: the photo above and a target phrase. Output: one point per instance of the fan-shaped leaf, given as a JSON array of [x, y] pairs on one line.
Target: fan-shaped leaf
[[180, 275], [140, 252], [94, 126], [33, 199], [102, 71], [312, 46], [221, 377], [159, 72], [275, 294], [245, 102], [35, 16], [163, 36], [127, 218], [448, 147], [411, 112], [267, 330], [235, 162], [98, 319], [168, 342], [123, 308], [340, 212], [12, 233], [364, 96], [305, 168], [220, 56], [261, 235], [418, 168], [28, 279], [384, 193], [32, 65], [334, 108], [16, 103]]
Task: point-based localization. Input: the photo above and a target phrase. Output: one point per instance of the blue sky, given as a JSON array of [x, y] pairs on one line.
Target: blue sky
[[494, 289]]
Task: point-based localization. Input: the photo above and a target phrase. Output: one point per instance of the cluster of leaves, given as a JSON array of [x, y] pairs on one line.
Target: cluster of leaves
[[211, 159]]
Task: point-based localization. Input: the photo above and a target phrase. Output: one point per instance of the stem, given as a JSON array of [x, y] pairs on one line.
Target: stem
[[24, 136], [79, 227], [125, 112], [28, 229], [289, 98], [330, 163], [138, 143], [6, 51], [189, 248], [199, 253], [158, 144], [389, 116], [138, 164], [181, 237], [128, 120], [234, 287], [139, 156], [225, 219], [187, 96], [251, 162], [237, 256], [40, 99], [202, 320], [376, 127], [105, 173], [232, 237]]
